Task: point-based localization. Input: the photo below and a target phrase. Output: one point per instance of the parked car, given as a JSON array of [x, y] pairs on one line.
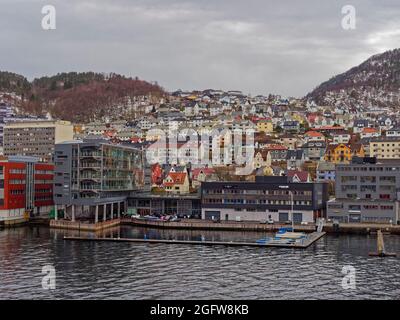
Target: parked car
[[174, 219], [183, 216], [267, 221]]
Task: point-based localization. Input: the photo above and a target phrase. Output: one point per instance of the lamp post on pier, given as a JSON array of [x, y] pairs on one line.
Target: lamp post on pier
[[291, 208]]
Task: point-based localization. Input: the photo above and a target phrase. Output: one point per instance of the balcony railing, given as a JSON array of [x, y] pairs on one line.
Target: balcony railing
[[91, 154], [90, 164]]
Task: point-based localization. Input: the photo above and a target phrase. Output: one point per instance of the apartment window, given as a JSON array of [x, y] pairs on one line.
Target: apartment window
[[370, 207]]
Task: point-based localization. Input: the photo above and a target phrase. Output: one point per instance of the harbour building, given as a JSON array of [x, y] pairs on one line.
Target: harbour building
[[93, 178], [367, 190], [268, 198], [26, 189]]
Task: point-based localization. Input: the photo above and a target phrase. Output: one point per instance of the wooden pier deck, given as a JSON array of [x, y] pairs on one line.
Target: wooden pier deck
[[312, 237]]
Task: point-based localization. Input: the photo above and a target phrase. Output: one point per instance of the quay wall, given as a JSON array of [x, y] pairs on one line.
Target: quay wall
[[349, 228], [77, 225]]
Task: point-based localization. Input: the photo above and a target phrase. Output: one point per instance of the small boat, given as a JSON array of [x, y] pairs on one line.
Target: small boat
[[287, 233], [264, 240]]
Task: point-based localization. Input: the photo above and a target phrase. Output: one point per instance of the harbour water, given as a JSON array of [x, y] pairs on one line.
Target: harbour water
[[110, 270]]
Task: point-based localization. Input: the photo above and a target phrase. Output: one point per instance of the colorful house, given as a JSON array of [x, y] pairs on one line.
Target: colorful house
[[177, 182], [343, 153], [200, 175], [265, 125]]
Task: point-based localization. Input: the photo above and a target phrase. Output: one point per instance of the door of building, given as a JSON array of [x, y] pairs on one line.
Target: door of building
[[212, 215], [283, 216], [297, 217]]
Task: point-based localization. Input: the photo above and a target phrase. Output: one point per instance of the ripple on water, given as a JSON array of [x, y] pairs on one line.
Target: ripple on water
[[87, 270]]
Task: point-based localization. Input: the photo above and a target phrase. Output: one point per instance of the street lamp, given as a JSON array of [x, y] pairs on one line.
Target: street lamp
[[291, 208]]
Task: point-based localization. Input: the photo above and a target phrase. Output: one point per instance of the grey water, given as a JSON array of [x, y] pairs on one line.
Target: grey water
[[122, 270]]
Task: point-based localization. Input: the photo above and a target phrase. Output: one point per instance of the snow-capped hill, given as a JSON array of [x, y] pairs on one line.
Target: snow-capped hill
[[375, 82]]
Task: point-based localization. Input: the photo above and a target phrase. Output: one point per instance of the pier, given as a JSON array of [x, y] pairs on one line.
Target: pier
[[313, 237]]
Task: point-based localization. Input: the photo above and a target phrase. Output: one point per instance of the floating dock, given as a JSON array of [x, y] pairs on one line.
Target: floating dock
[[311, 238]]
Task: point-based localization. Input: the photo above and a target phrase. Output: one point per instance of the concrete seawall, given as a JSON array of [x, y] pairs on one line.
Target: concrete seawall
[[348, 228], [13, 223], [192, 224], [76, 225], [195, 224]]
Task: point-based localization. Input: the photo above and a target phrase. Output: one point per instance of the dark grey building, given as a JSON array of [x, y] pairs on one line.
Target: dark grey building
[[268, 197], [171, 204], [366, 191], [93, 178]]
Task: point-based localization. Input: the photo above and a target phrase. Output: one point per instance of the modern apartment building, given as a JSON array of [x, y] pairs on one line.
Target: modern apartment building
[[385, 148], [93, 178], [367, 190], [26, 188], [35, 138], [268, 197]]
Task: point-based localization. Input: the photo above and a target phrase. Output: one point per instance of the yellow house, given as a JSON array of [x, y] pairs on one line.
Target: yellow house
[[262, 158], [265, 126], [343, 153], [298, 117]]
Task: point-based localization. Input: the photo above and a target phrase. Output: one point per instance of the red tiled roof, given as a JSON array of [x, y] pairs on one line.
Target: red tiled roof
[[314, 134], [206, 171], [177, 177], [369, 130], [302, 175]]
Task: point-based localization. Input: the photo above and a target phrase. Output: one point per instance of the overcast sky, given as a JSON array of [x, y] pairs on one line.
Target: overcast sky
[[257, 46]]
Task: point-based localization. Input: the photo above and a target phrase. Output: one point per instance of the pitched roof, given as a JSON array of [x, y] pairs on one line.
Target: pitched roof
[[206, 171], [177, 178], [301, 175], [314, 134], [369, 130]]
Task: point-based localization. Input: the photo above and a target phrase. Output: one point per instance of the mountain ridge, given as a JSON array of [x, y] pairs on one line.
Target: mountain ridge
[[374, 82], [77, 96]]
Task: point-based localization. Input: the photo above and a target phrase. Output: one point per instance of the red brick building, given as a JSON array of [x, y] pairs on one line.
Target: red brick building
[[26, 188]]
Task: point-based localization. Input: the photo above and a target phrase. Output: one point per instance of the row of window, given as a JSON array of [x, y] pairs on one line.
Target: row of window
[[368, 196], [252, 201], [370, 168], [257, 192]]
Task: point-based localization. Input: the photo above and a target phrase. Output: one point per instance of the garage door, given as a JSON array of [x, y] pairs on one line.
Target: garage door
[[283, 216], [212, 215], [297, 217]]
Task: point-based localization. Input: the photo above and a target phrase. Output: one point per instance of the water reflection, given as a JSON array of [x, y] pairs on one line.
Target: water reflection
[[110, 270]]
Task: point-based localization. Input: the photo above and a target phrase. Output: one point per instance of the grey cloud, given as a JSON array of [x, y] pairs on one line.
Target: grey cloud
[[256, 46]]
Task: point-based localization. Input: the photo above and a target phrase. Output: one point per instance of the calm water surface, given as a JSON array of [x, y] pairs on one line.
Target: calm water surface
[[109, 270]]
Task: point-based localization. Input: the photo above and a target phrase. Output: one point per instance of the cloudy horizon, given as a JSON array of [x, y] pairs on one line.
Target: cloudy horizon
[[258, 47]]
